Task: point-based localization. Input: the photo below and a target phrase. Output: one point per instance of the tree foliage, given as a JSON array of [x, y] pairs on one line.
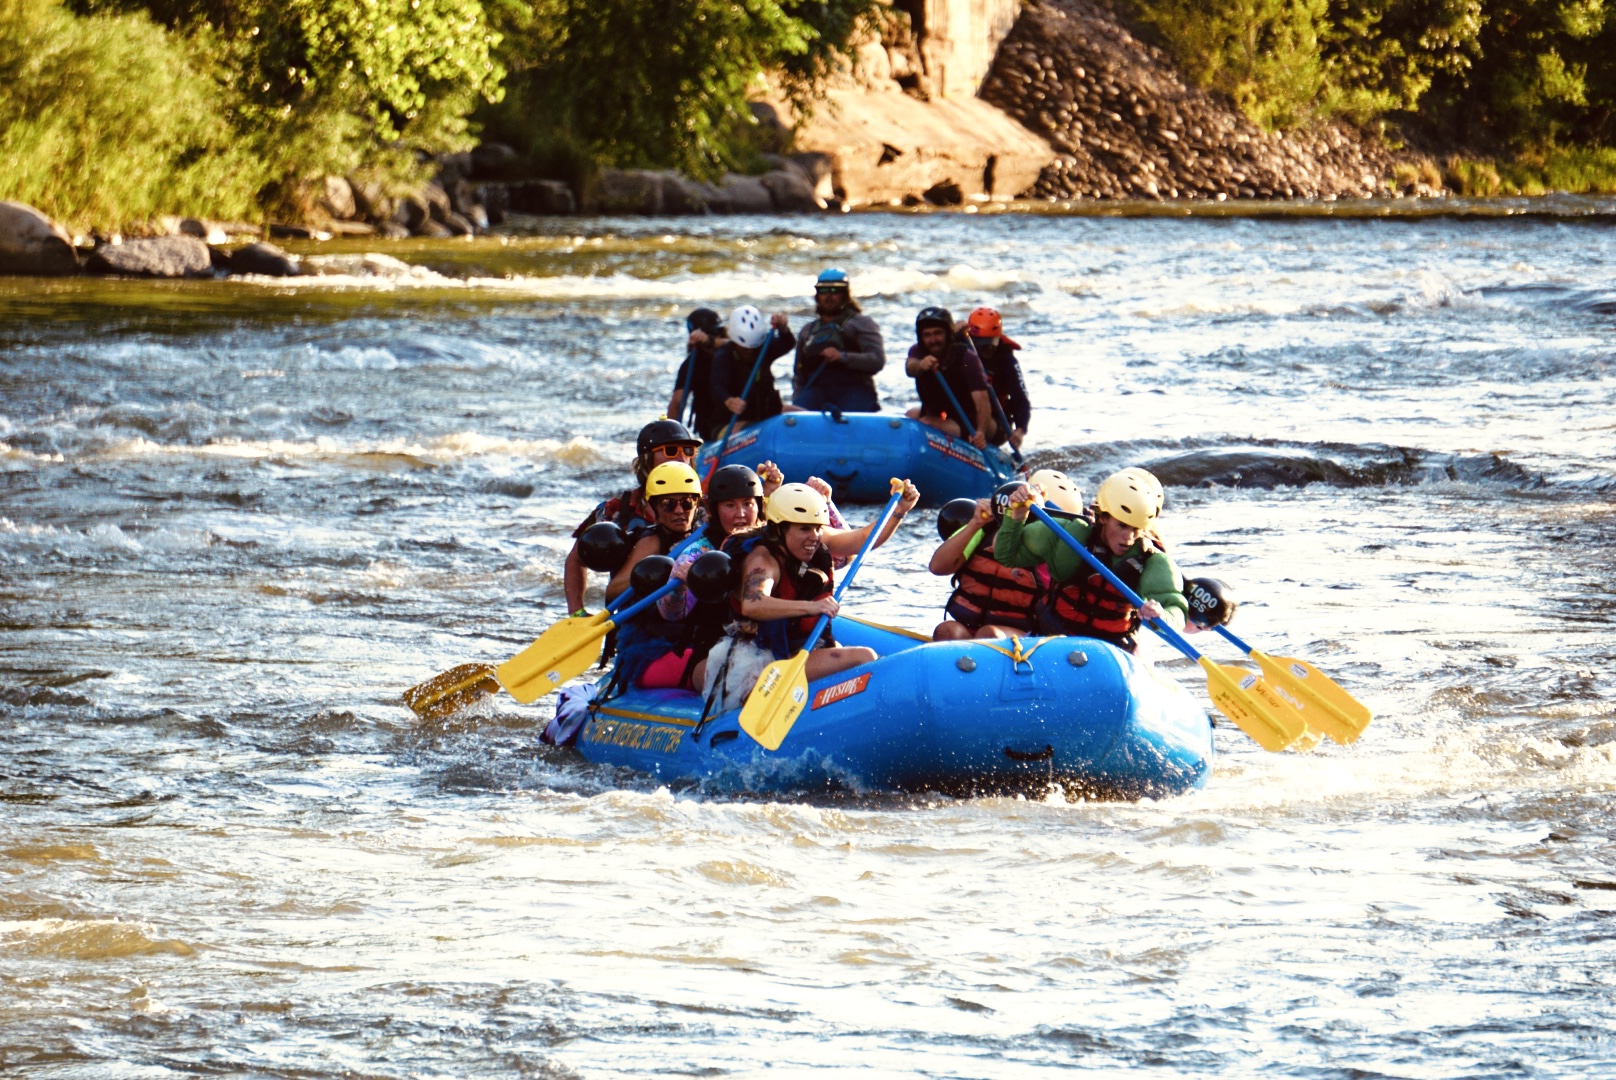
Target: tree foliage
[[666, 83], [1491, 74], [108, 119]]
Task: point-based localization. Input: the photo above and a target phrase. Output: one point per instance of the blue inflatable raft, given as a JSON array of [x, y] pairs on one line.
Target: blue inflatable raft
[[857, 453], [966, 717]]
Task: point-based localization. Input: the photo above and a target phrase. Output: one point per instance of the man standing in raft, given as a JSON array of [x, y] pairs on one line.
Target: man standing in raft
[[707, 416], [787, 581], [984, 333], [1080, 602], [659, 442], [937, 358], [839, 353], [736, 358]]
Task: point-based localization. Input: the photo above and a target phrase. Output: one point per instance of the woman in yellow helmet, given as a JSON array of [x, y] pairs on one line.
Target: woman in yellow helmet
[[1080, 602], [787, 581], [651, 650]]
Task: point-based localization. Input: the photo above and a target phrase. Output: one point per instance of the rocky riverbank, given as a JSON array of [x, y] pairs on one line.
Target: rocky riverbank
[[1125, 123]]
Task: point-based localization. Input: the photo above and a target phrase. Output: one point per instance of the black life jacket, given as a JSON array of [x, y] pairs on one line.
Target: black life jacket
[[1088, 606], [798, 581], [988, 592], [820, 335]]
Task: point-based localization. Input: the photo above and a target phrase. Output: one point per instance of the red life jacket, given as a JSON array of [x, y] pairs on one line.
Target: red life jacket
[[798, 581], [988, 592], [1087, 605]]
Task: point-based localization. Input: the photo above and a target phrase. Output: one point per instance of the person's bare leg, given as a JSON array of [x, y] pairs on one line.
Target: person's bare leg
[[949, 630]]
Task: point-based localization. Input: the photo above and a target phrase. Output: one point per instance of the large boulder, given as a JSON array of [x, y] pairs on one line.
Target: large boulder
[[31, 243], [790, 191], [157, 256], [625, 191], [745, 195], [540, 197], [338, 199], [494, 161], [681, 195], [371, 200], [886, 146], [265, 259]]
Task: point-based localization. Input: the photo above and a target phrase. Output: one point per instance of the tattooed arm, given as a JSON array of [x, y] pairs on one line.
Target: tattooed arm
[[758, 578]]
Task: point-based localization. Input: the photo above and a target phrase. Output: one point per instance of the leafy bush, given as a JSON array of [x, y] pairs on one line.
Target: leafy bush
[[109, 120]]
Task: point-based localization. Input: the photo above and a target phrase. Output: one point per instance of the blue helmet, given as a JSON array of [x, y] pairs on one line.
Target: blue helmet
[[832, 279]]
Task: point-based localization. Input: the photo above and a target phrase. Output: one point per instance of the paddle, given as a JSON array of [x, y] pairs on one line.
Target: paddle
[[686, 402], [970, 428], [1335, 712], [781, 691], [998, 409], [1273, 720], [567, 650], [458, 687], [746, 394]]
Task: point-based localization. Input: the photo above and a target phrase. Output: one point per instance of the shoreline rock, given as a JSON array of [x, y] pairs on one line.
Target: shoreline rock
[[31, 243], [1125, 124]]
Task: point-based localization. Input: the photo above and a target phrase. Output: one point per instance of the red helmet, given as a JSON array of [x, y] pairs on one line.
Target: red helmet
[[985, 322]]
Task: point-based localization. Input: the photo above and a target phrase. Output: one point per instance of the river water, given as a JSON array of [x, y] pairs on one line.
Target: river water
[[238, 518]]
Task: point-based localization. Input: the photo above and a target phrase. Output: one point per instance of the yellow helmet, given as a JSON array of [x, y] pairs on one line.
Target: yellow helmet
[[798, 504], [1131, 496], [1149, 483], [1058, 490], [673, 478]]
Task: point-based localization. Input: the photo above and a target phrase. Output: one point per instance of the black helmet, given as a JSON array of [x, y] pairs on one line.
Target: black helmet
[[649, 575], [733, 482], [954, 516], [1001, 498], [713, 576], [1212, 603], [704, 319], [603, 547], [661, 433], [934, 316]]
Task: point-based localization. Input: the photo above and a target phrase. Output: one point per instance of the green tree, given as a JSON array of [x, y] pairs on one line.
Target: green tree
[[109, 120], [663, 84]]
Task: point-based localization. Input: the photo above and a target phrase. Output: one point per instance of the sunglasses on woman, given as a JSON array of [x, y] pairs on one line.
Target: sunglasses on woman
[[671, 502], [675, 450]]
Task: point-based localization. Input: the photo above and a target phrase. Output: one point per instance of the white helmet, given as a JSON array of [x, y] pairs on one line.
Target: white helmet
[[1058, 489], [747, 327]]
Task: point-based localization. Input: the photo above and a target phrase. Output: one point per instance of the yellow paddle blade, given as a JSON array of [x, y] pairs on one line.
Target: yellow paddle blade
[[1330, 708], [1253, 705], [451, 691], [561, 654], [775, 702]]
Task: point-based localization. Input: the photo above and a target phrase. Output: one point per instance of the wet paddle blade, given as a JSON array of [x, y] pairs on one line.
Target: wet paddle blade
[[561, 654], [451, 691], [1244, 697], [775, 702], [1330, 708]]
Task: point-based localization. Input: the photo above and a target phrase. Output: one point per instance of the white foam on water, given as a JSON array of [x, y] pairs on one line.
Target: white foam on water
[[383, 272], [580, 452]]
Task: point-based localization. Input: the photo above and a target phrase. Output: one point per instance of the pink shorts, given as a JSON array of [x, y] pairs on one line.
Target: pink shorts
[[668, 671]]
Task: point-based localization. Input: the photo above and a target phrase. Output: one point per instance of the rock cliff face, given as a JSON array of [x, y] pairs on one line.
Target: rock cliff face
[[908, 125], [1125, 124]]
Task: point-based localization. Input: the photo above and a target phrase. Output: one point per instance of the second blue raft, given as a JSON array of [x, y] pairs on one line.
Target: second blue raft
[[857, 453]]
